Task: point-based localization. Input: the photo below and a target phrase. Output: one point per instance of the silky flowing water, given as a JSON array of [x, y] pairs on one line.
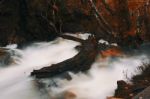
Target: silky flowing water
[[98, 83]]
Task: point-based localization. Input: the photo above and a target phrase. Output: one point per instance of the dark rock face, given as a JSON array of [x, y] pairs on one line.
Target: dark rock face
[[19, 23], [23, 21]]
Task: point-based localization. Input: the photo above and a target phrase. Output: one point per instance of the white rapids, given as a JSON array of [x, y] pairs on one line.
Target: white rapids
[[98, 83]]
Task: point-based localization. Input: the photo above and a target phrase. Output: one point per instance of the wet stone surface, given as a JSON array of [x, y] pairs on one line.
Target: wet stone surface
[[8, 56]]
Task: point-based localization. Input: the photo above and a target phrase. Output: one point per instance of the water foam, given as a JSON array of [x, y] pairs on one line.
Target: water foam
[[98, 83]]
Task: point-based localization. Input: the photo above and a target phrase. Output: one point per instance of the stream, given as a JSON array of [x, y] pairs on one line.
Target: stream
[[98, 83]]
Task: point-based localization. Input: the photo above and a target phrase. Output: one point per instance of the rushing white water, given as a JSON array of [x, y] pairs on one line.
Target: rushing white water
[[14, 80], [101, 80], [98, 83]]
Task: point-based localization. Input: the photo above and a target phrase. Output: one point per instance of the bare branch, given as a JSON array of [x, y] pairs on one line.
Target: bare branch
[[108, 8], [50, 23], [100, 18], [72, 38]]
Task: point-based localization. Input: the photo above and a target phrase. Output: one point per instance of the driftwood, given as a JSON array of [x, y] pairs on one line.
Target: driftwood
[[81, 62]]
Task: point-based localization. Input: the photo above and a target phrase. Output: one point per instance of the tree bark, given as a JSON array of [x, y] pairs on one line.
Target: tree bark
[[81, 62]]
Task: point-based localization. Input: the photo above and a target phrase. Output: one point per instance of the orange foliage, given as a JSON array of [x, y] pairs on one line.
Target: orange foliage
[[112, 52], [133, 7], [132, 32], [135, 4], [117, 22]]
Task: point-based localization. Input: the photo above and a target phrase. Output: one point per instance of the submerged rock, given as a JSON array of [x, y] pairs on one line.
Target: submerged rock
[[8, 56], [5, 57]]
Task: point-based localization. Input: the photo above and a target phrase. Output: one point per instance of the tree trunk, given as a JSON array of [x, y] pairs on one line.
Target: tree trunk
[[81, 62]]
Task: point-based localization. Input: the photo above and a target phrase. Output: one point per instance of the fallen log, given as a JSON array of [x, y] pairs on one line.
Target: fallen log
[[81, 62], [72, 38]]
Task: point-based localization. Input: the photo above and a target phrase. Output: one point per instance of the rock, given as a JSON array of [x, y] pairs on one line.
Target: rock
[[8, 56], [123, 90], [5, 57], [121, 84], [69, 95], [145, 94], [113, 98], [23, 21], [139, 89]]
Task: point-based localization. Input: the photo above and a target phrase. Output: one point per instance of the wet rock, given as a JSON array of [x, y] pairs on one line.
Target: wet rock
[[113, 98], [69, 95], [145, 94], [8, 56], [5, 57], [123, 90], [139, 89]]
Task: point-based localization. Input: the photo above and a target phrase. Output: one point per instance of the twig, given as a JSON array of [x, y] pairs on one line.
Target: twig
[[100, 18], [71, 38], [108, 8], [50, 23]]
